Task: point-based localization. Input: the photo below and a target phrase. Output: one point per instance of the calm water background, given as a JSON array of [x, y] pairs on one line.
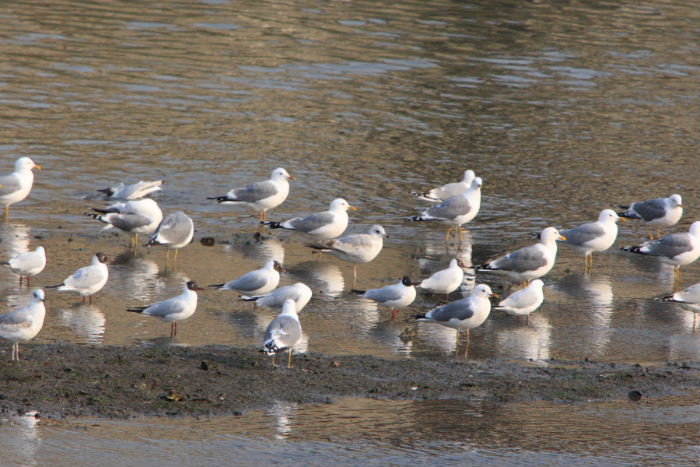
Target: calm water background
[[563, 109]]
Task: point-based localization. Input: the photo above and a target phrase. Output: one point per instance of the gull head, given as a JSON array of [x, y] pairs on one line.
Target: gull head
[[280, 174], [25, 163], [339, 204], [676, 201]]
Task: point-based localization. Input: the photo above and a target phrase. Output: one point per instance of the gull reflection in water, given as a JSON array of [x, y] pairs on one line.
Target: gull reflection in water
[[596, 294], [533, 341], [259, 248], [438, 336], [283, 415], [20, 439], [324, 278], [87, 321], [139, 277]]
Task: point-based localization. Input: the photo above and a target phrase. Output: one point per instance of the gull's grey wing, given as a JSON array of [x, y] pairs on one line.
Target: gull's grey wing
[[166, 307], [671, 245], [450, 208], [252, 280], [312, 221], [583, 233], [351, 243], [459, 309], [10, 184], [528, 258], [175, 228], [384, 294], [14, 320], [83, 277], [651, 209], [127, 221], [285, 330], [254, 192]]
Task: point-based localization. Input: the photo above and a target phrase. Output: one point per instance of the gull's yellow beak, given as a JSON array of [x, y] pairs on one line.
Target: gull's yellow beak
[[37, 166], [292, 177], [495, 295], [352, 208], [561, 237], [621, 219]]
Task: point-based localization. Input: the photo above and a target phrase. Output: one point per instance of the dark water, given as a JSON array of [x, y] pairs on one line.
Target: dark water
[[563, 109]]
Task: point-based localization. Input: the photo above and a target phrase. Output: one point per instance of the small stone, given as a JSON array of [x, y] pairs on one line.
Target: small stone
[[207, 241], [335, 363], [634, 396], [203, 366]]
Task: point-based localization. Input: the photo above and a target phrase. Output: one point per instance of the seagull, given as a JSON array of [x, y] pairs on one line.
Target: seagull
[[530, 262], [87, 280], [141, 216], [260, 196], [22, 324], [355, 248], [132, 192], [524, 301], [441, 193], [321, 225], [677, 249], [299, 292], [28, 264], [455, 210], [283, 332], [689, 297], [257, 282], [593, 236], [395, 296], [464, 314], [173, 309], [174, 231], [16, 186], [657, 212], [446, 280]]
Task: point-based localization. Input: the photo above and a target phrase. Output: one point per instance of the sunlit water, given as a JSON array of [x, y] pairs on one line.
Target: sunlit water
[[562, 109]]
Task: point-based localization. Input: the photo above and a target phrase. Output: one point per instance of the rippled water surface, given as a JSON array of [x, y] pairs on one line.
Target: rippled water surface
[[368, 432], [563, 108]]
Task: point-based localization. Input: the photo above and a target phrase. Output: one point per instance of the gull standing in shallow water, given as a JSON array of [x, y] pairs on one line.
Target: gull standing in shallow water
[[260, 196], [299, 292], [283, 332], [16, 186], [395, 296], [465, 314], [355, 248], [593, 236], [446, 280], [524, 301], [87, 280], [132, 192], [455, 210], [135, 217], [689, 297], [257, 282], [22, 324], [441, 193], [677, 249], [175, 231], [321, 225], [28, 264], [173, 309], [657, 212], [530, 262]]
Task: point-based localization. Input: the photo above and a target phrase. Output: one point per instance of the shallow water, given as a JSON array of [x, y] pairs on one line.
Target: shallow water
[[370, 432], [562, 109]]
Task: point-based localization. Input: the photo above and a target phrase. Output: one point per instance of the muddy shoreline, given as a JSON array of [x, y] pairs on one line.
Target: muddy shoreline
[[60, 380]]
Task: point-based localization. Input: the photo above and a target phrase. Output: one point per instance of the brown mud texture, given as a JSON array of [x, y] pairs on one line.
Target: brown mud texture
[[61, 380]]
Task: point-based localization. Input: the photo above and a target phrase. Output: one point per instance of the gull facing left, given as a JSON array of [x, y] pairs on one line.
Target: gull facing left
[[28, 264]]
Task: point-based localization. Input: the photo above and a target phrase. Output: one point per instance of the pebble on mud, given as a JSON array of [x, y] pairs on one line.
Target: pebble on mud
[[634, 396]]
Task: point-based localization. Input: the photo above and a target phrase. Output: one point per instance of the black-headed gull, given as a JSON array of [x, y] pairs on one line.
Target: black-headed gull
[[173, 309]]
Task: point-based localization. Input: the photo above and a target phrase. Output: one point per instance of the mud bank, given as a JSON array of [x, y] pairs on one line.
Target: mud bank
[[66, 380]]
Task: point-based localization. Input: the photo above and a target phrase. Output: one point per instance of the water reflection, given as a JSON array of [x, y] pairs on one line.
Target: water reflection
[[86, 321], [139, 277], [322, 276], [20, 439], [282, 415], [529, 342], [261, 249]]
